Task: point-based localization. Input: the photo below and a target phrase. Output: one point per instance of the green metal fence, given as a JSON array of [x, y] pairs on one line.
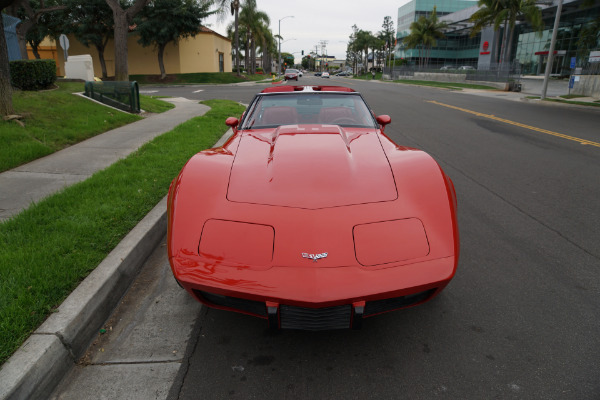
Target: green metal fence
[[122, 95]]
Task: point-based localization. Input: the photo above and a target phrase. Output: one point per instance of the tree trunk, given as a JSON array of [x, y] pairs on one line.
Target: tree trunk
[[121, 51], [161, 64], [504, 40], [253, 56], [100, 50], [247, 52], [34, 50], [6, 106], [509, 47], [22, 30], [236, 7], [121, 20]]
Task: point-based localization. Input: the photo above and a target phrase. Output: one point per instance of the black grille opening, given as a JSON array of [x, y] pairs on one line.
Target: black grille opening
[[315, 319], [250, 306], [379, 306]]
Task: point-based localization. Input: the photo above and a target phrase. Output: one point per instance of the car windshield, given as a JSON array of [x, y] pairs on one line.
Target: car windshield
[[344, 109], [291, 71]]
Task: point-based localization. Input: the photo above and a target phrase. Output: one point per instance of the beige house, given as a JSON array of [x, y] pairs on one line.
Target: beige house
[[206, 52]]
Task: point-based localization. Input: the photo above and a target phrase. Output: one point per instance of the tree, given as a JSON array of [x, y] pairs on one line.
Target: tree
[[122, 18], [254, 23], [165, 21], [49, 24], [29, 11], [268, 46], [352, 52], [498, 12], [424, 34], [288, 60], [234, 7], [237, 53], [387, 35], [305, 62], [91, 21], [6, 105]]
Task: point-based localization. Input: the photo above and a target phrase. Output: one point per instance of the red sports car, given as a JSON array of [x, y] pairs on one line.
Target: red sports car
[[310, 217]]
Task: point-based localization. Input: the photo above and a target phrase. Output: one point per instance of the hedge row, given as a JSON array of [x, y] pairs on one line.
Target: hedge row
[[32, 74]]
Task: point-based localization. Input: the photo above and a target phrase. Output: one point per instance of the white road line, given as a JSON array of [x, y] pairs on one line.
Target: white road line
[[198, 91]]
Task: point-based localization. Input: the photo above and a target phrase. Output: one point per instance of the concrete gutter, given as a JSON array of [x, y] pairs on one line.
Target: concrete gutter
[[40, 363], [38, 366]]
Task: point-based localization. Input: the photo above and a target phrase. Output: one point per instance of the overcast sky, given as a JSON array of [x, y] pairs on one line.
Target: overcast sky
[[315, 21]]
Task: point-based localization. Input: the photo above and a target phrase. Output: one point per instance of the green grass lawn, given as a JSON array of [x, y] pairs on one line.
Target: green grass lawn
[[204, 77], [55, 119], [579, 103], [46, 250], [447, 85]]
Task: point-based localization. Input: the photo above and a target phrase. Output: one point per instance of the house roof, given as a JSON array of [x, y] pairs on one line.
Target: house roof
[[204, 29]]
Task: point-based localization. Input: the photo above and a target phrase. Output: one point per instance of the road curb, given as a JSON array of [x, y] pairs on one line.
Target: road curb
[[39, 364]]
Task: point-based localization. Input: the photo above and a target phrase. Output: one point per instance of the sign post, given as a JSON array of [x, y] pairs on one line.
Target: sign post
[[64, 44], [572, 78]]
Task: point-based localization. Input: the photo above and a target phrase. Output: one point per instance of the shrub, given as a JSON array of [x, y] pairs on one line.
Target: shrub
[[32, 74]]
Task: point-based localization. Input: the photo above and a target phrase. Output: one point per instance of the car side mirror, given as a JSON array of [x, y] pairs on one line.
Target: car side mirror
[[384, 120], [232, 122]]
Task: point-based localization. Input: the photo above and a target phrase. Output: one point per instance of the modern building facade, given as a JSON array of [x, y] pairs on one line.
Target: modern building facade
[[578, 35], [455, 45]]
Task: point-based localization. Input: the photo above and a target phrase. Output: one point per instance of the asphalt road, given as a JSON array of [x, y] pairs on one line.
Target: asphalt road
[[519, 320]]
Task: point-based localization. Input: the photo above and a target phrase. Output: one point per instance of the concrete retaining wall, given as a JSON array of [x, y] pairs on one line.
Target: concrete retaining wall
[[452, 78], [587, 85]]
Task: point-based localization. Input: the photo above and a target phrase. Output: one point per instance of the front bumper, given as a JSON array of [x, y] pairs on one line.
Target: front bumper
[[313, 298]]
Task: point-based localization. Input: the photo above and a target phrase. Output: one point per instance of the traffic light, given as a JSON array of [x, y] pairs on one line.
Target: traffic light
[[302, 52]]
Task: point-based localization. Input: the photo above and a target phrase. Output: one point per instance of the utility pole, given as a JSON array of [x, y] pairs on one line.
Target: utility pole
[[323, 44], [551, 52]]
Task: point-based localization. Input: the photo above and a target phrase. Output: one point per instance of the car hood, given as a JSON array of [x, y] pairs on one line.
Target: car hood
[[311, 166]]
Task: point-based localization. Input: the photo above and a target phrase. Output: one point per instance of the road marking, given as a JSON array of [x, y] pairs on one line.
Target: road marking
[[148, 91], [198, 91], [507, 121]]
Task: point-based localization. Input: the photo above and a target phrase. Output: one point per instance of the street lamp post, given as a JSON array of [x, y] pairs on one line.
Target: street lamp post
[[279, 39]]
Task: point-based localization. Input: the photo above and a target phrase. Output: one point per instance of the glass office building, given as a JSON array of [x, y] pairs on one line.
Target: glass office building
[[455, 45], [578, 35]]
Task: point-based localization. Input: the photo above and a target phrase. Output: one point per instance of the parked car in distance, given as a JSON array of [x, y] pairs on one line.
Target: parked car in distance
[[310, 217], [325, 75], [317, 74], [344, 73], [448, 67], [466, 68], [291, 74]]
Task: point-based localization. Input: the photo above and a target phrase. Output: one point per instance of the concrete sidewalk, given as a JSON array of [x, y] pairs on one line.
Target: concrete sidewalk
[[51, 351], [32, 182]]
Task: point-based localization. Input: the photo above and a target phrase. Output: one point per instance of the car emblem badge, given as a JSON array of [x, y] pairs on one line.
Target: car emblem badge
[[314, 257]]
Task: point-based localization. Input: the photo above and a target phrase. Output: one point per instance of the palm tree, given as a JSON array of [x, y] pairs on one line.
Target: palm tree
[[266, 44], [254, 22], [363, 41], [234, 7], [498, 12], [424, 34], [237, 52]]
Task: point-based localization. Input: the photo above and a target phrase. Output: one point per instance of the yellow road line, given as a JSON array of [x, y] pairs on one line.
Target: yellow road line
[[507, 121]]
